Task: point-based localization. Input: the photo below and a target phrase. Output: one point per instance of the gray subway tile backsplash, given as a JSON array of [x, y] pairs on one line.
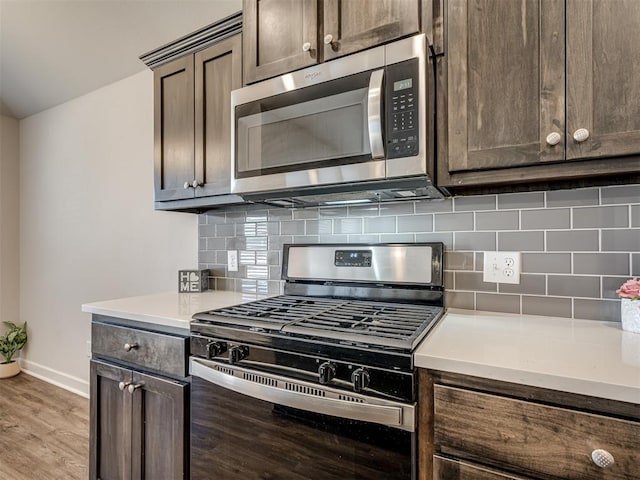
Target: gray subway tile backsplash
[[511, 201], [553, 218], [621, 240], [474, 203], [571, 198], [498, 303], [601, 217], [635, 216], [573, 240], [546, 263], [573, 286], [568, 270], [621, 194], [521, 241], [500, 220], [601, 263], [548, 306], [451, 222]]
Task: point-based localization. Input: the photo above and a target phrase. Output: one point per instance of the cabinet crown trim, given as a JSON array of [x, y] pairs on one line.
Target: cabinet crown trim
[[198, 40]]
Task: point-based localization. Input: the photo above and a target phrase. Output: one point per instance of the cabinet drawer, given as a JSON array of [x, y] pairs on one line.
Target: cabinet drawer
[[156, 351], [448, 469], [533, 438]]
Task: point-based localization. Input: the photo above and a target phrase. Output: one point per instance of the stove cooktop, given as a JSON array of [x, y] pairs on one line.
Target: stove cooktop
[[365, 322]]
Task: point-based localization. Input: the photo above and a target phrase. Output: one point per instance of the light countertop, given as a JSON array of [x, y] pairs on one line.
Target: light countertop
[[170, 309], [579, 356]]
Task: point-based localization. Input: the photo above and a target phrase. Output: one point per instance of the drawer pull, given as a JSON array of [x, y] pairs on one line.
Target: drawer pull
[[123, 385], [130, 346], [133, 387], [600, 457]]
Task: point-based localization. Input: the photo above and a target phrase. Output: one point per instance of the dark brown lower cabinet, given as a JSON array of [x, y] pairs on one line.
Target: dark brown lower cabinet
[[139, 425], [481, 429], [450, 469]]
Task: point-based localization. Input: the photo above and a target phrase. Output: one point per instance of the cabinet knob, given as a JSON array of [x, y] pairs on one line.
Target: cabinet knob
[[133, 387], [581, 135], [602, 458], [553, 138], [328, 40], [123, 385], [306, 46], [130, 346], [187, 185], [196, 184]]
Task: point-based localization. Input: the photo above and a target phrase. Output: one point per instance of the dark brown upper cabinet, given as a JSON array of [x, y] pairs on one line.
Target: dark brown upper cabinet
[[513, 102], [603, 87], [173, 129], [192, 102], [284, 35]]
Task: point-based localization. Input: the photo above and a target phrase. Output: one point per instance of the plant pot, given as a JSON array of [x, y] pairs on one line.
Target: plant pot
[[630, 315], [10, 369]]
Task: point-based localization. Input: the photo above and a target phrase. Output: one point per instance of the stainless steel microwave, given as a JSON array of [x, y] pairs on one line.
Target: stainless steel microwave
[[353, 129]]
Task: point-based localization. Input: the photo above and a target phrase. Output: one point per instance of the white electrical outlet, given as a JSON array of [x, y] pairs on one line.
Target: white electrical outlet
[[232, 260], [501, 267]]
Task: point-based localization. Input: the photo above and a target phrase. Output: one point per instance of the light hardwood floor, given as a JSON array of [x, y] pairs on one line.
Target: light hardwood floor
[[44, 431]]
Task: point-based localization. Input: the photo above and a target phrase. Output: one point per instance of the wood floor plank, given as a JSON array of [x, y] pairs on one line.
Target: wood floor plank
[[44, 431]]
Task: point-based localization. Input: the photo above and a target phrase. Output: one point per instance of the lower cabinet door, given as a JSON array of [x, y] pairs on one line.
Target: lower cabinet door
[[160, 434], [448, 469], [110, 423]]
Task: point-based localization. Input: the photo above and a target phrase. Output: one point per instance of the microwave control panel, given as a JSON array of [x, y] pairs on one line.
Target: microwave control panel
[[401, 93]]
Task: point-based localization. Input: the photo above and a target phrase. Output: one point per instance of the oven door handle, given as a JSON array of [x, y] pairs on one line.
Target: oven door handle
[[391, 414], [374, 113]]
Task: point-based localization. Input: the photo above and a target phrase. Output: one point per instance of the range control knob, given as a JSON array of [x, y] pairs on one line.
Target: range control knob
[[237, 353], [326, 372], [216, 348], [360, 379]]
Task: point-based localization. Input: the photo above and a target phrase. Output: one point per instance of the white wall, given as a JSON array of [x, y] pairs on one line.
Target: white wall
[[88, 228], [9, 221]]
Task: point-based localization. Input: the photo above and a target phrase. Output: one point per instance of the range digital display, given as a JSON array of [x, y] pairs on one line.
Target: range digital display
[[353, 258]]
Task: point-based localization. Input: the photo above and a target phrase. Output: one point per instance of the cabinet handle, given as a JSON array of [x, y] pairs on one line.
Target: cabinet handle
[[123, 385], [602, 458], [187, 185], [553, 138], [328, 40], [133, 387], [196, 184], [306, 46], [581, 135], [130, 346]]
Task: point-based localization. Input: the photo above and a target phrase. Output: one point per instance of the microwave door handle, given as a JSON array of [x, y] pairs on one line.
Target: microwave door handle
[[374, 113]]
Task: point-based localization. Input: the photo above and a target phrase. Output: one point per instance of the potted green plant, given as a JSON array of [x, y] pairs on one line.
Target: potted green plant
[[11, 343]]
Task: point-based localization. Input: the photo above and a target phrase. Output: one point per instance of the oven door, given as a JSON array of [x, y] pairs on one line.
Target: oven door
[[254, 425]]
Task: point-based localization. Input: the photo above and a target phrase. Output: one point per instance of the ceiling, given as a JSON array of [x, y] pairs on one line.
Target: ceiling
[[54, 50]]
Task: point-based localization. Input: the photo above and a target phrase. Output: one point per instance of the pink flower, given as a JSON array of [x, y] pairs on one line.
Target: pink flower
[[630, 289]]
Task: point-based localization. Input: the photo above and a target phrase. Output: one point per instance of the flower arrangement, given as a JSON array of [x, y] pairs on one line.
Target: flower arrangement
[[630, 289], [629, 292]]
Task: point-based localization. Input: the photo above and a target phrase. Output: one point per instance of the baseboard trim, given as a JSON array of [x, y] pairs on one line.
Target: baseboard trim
[[59, 379]]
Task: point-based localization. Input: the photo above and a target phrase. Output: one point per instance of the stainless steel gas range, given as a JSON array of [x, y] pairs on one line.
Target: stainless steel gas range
[[318, 383]]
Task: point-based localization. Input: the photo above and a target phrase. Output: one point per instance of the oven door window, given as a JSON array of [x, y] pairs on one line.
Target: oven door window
[[304, 129], [237, 436]]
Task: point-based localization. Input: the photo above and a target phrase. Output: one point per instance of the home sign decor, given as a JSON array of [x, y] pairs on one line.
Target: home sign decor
[[193, 281]]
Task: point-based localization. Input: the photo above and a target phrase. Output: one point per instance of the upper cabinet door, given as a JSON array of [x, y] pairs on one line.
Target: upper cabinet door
[[353, 25], [505, 82], [603, 78], [173, 130], [218, 71], [278, 36]]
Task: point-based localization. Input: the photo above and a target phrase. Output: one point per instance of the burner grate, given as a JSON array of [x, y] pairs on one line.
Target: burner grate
[[362, 321]]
